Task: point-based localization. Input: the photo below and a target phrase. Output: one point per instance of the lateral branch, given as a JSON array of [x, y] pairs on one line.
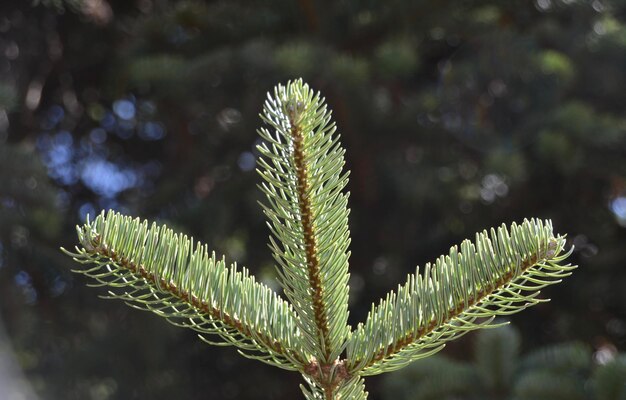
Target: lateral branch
[[413, 336], [214, 313]]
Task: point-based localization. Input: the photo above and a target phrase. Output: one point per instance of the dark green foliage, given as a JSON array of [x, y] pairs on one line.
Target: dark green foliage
[[558, 358], [30, 221], [26, 187], [609, 382], [434, 379], [499, 372], [496, 354]]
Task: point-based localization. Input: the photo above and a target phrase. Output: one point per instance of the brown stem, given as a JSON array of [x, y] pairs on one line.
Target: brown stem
[[328, 376], [96, 247], [310, 242]]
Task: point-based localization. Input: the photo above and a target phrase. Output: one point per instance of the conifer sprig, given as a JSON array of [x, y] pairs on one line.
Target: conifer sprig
[[152, 268], [501, 273], [308, 214], [301, 163]]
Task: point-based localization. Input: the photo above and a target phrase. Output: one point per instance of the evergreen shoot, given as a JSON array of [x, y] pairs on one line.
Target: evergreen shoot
[[150, 267]]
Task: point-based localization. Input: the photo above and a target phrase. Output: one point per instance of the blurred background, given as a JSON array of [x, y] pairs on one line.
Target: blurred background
[[456, 116]]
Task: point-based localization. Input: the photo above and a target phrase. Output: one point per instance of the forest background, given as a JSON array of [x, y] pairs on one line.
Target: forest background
[[456, 116]]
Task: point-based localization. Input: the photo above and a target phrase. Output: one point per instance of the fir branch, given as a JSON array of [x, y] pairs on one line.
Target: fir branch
[[500, 274], [152, 268], [156, 270], [308, 214]]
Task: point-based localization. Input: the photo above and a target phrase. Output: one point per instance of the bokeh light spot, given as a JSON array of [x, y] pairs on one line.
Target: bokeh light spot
[[618, 207], [124, 109], [152, 131], [246, 161]]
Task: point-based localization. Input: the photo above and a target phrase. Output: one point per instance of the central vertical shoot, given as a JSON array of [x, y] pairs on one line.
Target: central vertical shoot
[[308, 217]]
